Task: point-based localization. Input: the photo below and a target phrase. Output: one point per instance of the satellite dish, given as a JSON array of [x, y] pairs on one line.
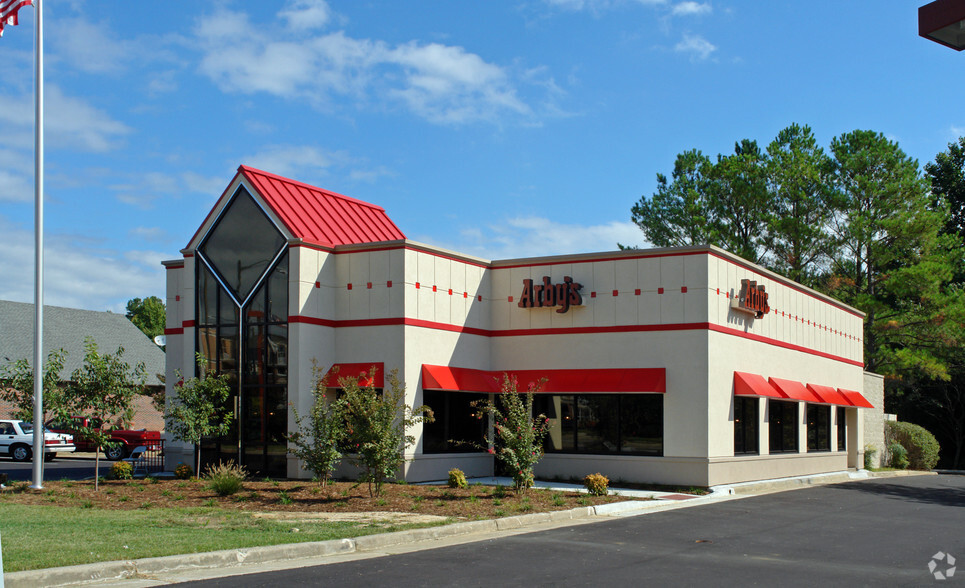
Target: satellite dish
[[161, 340]]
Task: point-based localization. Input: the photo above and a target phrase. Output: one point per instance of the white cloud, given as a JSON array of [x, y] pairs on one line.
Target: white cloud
[[442, 83], [76, 274], [295, 161], [89, 47], [156, 234], [537, 236], [448, 85], [306, 14], [691, 9], [212, 185], [597, 6], [696, 46]]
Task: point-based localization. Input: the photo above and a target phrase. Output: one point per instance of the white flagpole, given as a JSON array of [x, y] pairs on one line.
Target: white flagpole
[[38, 454]]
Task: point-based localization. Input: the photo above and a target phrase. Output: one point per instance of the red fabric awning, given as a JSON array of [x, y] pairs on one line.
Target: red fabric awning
[[561, 381], [356, 370], [794, 390], [856, 398], [829, 395], [746, 384]]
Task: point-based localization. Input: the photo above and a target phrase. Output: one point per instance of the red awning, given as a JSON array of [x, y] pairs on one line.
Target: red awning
[[564, 381], [746, 384], [829, 395], [356, 370], [794, 390], [855, 398]]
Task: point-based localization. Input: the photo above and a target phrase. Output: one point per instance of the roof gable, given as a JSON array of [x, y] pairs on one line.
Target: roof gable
[[320, 216]]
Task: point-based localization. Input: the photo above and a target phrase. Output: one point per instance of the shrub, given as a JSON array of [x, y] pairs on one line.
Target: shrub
[[321, 432], [920, 444], [183, 471], [517, 439], [376, 425], [226, 478], [870, 451], [899, 456], [457, 479], [596, 484], [121, 470]]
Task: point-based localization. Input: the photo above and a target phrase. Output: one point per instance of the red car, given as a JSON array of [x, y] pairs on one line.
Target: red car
[[124, 440]]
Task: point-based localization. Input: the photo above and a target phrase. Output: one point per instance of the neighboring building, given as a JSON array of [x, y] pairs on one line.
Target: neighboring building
[[68, 328], [678, 366]]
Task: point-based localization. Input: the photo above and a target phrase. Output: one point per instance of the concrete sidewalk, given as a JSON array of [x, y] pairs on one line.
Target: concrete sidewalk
[[179, 568]]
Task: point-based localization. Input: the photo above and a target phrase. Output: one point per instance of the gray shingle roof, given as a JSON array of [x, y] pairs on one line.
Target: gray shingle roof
[[67, 328]]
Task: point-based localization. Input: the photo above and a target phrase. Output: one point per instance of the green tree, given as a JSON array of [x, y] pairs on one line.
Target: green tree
[[891, 261], [680, 212], [947, 175], [103, 390], [723, 203], [147, 315], [739, 201], [376, 425], [199, 409], [17, 387], [320, 434], [798, 177], [518, 434]]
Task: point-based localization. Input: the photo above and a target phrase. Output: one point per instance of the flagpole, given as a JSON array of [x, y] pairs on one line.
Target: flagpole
[[38, 454]]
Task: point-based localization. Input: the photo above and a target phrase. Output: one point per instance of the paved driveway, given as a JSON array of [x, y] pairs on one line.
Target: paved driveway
[[71, 468], [877, 532]]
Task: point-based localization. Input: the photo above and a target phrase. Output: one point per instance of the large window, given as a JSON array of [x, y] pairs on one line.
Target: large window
[[782, 425], [819, 427], [456, 427], [242, 328], [603, 423], [842, 429], [745, 425]]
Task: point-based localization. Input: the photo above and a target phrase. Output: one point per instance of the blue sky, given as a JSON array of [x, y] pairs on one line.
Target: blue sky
[[498, 129]]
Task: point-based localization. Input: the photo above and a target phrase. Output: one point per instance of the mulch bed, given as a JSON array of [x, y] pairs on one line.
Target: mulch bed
[[475, 502]]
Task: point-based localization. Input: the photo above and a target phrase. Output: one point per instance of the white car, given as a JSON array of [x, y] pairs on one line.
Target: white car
[[17, 440]]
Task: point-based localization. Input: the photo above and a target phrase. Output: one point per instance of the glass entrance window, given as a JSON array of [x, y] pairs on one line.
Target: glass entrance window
[[242, 326]]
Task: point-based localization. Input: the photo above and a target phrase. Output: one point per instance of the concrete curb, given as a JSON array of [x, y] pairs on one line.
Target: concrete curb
[[88, 573]]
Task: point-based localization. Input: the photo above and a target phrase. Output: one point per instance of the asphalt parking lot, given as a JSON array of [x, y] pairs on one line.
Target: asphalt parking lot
[[73, 467], [874, 532]]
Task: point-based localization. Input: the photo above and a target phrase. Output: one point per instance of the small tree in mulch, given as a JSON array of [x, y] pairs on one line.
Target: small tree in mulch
[[376, 424], [17, 387], [518, 435], [319, 438], [199, 409], [103, 390]]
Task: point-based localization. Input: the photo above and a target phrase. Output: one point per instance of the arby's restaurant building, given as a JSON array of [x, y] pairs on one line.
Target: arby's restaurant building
[[675, 366]]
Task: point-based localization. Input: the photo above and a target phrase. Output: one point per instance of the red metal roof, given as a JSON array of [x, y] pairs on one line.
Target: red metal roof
[[319, 216]]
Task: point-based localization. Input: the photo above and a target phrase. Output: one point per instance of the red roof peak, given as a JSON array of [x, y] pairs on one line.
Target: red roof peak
[[321, 216]]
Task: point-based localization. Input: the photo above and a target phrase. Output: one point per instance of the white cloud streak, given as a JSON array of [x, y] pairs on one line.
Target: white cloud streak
[[442, 83], [537, 236], [697, 47], [76, 275], [691, 9]]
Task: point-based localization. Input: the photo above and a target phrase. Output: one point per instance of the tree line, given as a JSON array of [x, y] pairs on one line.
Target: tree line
[[861, 222]]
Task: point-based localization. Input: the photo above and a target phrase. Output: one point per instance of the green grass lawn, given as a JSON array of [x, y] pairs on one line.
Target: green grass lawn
[[36, 537]]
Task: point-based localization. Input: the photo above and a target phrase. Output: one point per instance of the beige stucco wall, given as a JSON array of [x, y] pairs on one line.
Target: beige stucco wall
[[405, 304]]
